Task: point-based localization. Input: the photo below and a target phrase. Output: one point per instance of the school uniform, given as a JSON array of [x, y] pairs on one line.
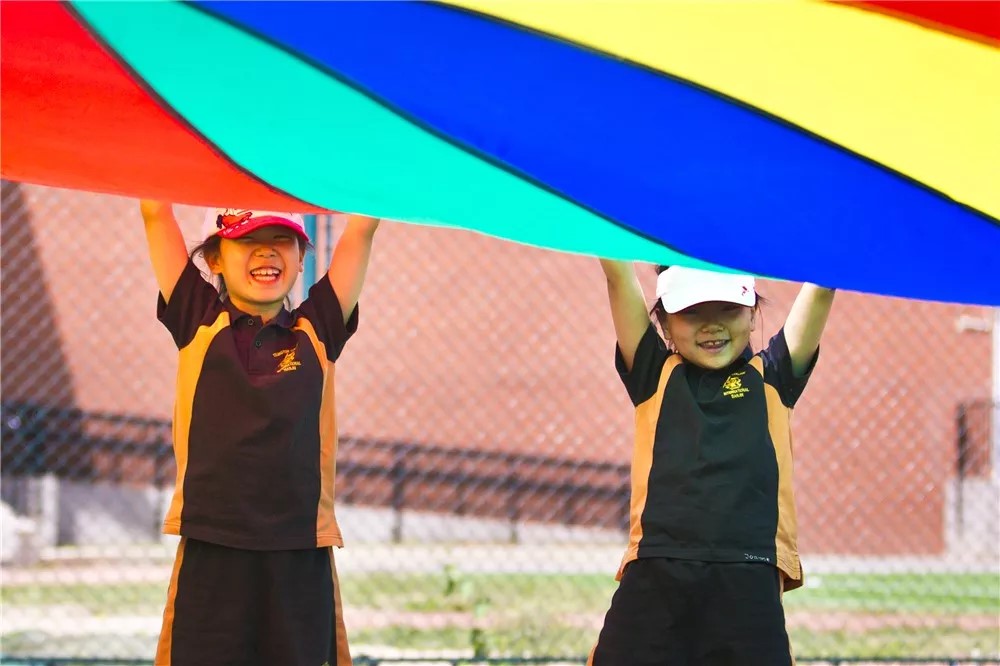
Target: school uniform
[[255, 438], [713, 531]]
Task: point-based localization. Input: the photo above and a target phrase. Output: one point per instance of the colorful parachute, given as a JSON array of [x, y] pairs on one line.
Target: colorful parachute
[[851, 144]]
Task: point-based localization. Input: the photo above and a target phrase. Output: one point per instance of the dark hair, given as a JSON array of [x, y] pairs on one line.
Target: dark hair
[[211, 247]]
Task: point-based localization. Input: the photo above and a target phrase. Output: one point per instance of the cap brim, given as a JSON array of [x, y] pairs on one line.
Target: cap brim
[[254, 223], [676, 302]]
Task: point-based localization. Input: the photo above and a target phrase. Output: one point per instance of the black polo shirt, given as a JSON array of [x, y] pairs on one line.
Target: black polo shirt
[[255, 433], [712, 464]]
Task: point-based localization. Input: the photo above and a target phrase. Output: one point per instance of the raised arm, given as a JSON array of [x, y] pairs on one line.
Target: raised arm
[[167, 251], [350, 261], [628, 307], [805, 324]]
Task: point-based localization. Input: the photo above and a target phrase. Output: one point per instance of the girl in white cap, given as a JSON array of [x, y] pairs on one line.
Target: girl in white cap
[[712, 543], [255, 438]]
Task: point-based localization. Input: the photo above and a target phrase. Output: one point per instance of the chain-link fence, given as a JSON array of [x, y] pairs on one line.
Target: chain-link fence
[[482, 482]]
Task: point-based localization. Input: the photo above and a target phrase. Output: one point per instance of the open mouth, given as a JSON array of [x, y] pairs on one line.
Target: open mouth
[[713, 345], [266, 274]]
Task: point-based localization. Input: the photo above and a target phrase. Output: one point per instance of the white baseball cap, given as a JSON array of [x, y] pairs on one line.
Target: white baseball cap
[[237, 222], [679, 287]]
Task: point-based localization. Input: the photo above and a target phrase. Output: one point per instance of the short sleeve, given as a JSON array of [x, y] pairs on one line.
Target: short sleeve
[[778, 370], [322, 309], [643, 379], [193, 303]]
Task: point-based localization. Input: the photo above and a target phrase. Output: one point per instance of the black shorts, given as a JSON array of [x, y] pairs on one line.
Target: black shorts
[[227, 606], [670, 612]]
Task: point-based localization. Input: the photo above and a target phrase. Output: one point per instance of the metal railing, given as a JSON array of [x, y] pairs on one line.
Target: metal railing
[[466, 482]]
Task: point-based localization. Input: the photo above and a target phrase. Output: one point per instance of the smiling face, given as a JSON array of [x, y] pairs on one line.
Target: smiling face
[[259, 268], [712, 334]]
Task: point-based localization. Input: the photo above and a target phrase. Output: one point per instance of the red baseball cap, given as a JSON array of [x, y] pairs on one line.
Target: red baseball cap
[[237, 222]]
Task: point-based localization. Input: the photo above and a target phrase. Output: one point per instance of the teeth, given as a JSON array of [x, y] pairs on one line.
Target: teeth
[[264, 271]]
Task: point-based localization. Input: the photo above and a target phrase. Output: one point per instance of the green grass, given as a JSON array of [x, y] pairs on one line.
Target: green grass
[[572, 593], [100, 600], [923, 593], [534, 614], [926, 642], [944, 594], [448, 591], [502, 613]]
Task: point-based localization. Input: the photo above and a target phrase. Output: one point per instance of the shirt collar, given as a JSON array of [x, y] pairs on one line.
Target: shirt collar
[[284, 318]]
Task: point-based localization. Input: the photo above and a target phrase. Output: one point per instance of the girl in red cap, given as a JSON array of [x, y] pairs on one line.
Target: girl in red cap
[[255, 438], [712, 539]]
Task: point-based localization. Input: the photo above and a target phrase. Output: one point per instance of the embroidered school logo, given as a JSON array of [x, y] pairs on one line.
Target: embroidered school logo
[[733, 386], [287, 362]]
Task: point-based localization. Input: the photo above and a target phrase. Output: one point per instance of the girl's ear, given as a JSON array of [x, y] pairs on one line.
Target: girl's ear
[[214, 262], [667, 341], [665, 328]]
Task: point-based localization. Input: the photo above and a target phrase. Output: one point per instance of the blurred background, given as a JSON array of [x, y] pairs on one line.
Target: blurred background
[[482, 482]]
